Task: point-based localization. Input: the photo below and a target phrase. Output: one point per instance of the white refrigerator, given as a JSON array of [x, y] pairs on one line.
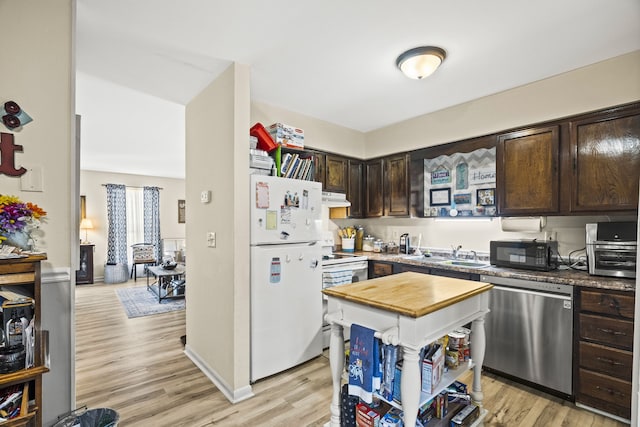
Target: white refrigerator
[[286, 274]]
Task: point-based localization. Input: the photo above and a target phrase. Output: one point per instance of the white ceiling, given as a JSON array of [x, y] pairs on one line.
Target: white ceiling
[[335, 60]]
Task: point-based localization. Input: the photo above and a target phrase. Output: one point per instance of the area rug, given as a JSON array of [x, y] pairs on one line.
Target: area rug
[[138, 302]]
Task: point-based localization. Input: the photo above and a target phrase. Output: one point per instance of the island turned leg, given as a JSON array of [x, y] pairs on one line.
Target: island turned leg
[[478, 345], [410, 385], [336, 361]]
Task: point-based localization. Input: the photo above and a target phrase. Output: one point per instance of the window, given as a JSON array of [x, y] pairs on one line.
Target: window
[[135, 217]]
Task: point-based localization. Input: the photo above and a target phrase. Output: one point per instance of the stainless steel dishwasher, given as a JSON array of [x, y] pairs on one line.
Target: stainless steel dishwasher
[[529, 332]]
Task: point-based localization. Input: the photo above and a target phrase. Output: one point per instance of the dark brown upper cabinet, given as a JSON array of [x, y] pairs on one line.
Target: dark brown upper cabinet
[[337, 176], [356, 188], [373, 203], [320, 168], [605, 161], [527, 173], [396, 185]]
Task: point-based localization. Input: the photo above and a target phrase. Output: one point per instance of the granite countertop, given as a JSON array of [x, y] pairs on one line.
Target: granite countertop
[[562, 276]]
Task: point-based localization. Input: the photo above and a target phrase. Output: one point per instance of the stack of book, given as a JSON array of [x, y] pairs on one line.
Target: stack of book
[[297, 166]]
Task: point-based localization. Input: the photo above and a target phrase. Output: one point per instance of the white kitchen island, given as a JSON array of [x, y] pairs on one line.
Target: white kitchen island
[[410, 310]]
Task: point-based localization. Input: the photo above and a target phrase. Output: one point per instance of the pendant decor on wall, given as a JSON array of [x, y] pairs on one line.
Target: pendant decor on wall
[[13, 117], [460, 176]]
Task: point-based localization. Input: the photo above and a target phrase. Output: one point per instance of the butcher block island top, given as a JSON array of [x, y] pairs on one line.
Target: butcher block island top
[[410, 294]]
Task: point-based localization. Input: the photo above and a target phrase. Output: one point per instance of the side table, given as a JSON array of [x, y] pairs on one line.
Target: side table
[[84, 275]]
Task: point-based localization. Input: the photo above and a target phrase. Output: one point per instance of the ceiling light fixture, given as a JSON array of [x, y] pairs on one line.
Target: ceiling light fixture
[[420, 62]]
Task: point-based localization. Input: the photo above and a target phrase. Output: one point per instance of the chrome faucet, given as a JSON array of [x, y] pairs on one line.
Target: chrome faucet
[[454, 253], [475, 255]]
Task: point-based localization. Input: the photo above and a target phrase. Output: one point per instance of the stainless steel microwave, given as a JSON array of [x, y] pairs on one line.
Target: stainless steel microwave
[[533, 254]]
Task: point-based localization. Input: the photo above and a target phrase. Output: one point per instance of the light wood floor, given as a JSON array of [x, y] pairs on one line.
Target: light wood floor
[[137, 367]]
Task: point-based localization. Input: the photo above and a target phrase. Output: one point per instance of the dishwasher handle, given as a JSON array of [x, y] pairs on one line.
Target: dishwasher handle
[[532, 292]]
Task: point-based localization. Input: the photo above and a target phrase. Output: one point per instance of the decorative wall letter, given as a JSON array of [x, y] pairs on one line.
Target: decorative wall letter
[[7, 149]]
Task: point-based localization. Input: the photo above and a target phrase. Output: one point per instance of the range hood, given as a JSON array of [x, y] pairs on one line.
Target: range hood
[[335, 200]]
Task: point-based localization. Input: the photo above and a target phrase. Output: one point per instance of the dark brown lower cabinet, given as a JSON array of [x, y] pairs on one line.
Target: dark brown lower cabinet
[[380, 269], [605, 351]]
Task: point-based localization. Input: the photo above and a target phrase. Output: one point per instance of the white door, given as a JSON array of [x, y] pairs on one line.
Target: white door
[[285, 210], [286, 307]]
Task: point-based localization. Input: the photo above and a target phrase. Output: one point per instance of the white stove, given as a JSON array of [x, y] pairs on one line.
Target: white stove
[[339, 269], [337, 259], [330, 258]]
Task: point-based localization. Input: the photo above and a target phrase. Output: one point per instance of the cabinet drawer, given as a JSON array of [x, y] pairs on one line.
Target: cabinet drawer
[[382, 269], [605, 388], [615, 332], [606, 360], [608, 303]]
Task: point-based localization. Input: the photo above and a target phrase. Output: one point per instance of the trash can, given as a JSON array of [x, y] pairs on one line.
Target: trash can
[[100, 417]]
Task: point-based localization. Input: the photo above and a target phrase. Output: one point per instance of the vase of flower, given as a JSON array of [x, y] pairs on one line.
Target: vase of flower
[[18, 239], [18, 220]]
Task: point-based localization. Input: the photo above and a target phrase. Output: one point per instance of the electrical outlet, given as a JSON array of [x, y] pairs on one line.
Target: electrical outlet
[[205, 196], [211, 239], [550, 235]]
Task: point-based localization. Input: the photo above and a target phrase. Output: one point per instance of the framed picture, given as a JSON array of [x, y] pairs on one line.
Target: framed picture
[[440, 196], [83, 207], [462, 199], [486, 196], [181, 211]]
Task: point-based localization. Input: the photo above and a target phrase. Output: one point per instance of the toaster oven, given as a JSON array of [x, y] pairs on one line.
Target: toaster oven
[[612, 249]]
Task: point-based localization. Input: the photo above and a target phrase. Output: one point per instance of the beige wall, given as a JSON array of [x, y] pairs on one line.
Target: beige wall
[[608, 83], [317, 133], [217, 123], [37, 73], [91, 186]]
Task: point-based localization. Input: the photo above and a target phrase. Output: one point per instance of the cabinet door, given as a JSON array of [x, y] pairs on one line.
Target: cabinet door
[[375, 186], [606, 163], [336, 178], [396, 185], [355, 190], [85, 274], [527, 171], [380, 269], [319, 168]]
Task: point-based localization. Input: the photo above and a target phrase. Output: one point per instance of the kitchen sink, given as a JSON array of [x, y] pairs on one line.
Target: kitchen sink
[[414, 257], [424, 258], [465, 263]]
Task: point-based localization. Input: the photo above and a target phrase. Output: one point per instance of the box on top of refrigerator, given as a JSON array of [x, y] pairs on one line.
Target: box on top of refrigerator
[[287, 136]]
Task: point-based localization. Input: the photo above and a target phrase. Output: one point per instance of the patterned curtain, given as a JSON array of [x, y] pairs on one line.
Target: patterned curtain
[[151, 208], [117, 217]]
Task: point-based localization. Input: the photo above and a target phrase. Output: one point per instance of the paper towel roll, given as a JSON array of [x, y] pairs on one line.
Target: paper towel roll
[[523, 224]]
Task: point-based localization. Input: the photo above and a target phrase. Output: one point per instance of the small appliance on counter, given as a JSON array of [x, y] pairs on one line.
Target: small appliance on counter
[[526, 254], [612, 249], [405, 243]]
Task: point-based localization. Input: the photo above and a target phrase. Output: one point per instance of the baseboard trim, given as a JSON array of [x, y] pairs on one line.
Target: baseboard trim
[[603, 413], [234, 396]]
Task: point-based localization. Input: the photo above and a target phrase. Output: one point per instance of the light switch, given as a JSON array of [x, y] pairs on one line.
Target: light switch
[[211, 239], [31, 180], [205, 196]]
